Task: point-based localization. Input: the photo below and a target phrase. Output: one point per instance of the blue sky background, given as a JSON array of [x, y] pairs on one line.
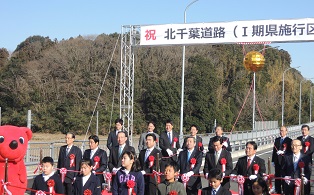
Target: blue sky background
[[67, 18]]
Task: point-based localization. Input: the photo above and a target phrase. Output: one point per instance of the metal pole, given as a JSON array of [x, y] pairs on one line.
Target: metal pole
[[29, 119], [283, 95], [311, 105], [300, 102], [97, 114], [253, 116], [182, 84]]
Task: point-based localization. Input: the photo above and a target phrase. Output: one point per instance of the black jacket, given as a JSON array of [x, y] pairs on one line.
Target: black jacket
[[93, 184], [114, 159]]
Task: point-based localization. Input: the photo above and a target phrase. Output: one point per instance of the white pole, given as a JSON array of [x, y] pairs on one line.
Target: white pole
[[29, 119], [97, 122], [253, 115], [182, 84]]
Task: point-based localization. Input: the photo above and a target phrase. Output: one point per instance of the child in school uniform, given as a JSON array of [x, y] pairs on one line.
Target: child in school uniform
[[128, 176], [170, 185], [48, 181], [259, 187], [215, 178], [86, 181]]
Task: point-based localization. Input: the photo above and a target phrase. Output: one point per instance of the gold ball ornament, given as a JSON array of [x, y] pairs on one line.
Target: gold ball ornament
[[254, 61]]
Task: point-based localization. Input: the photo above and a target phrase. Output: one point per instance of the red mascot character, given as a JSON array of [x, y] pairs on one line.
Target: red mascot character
[[13, 146]]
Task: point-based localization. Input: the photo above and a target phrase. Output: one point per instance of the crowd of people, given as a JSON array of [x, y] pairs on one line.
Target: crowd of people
[[164, 167]]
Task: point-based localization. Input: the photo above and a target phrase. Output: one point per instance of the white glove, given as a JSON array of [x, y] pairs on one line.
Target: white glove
[[94, 172], [287, 179], [190, 173], [179, 150], [170, 153], [305, 180], [273, 164], [225, 144], [223, 175], [204, 151], [252, 177], [233, 177], [279, 152], [206, 176], [115, 170], [143, 172]]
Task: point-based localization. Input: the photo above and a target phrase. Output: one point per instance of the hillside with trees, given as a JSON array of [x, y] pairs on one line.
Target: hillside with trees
[[60, 82]]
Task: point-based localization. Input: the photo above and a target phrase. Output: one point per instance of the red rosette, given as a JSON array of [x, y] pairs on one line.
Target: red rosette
[[184, 179], [72, 160], [39, 192], [51, 184], [307, 144], [173, 192], [87, 192], [193, 162], [223, 161], [200, 144], [284, 146], [175, 140], [255, 168], [130, 184], [63, 172], [151, 161], [96, 160], [301, 164]]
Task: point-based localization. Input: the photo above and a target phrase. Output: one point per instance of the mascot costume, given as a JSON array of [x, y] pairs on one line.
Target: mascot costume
[[13, 146]]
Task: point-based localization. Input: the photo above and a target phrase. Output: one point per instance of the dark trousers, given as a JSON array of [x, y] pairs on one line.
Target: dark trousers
[[68, 188], [278, 182]]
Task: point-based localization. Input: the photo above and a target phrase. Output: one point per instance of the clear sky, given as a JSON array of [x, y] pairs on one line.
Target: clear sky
[[67, 18]]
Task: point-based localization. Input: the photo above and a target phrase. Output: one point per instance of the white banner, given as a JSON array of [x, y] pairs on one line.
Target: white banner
[[294, 30]]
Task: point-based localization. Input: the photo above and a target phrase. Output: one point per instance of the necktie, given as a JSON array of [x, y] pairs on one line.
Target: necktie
[[303, 139], [281, 140], [295, 162], [216, 158], [248, 162], [91, 154], [169, 137], [120, 151], [67, 151], [189, 155], [147, 153], [214, 192]]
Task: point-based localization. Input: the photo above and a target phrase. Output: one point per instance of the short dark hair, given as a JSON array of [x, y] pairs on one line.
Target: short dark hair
[[169, 121], [71, 133], [119, 120], [252, 143], [152, 135], [152, 122], [193, 126], [215, 173], [174, 165], [87, 162], [95, 138], [305, 126], [125, 133], [220, 127], [192, 138], [47, 159], [217, 139], [136, 166]]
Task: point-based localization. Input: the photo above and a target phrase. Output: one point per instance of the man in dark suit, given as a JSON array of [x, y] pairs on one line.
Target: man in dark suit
[[215, 176], [305, 140], [245, 166], [213, 160], [70, 158], [112, 137], [115, 156], [146, 167], [282, 147], [226, 142], [292, 170], [199, 140], [97, 156], [185, 165], [169, 144]]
